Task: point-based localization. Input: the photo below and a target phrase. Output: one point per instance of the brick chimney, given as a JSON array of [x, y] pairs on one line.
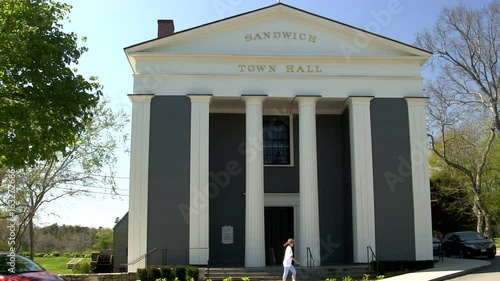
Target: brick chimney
[[165, 28]]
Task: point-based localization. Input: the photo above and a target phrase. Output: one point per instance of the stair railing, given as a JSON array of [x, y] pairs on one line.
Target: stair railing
[[143, 257], [310, 259], [273, 260], [371, 258]]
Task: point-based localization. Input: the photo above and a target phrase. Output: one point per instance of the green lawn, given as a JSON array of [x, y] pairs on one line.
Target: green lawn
[[56, 265], [497, 240]]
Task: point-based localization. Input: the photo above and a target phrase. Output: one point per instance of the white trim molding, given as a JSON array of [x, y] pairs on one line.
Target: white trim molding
[[308, 179], [198, 182], [138, 194], [420, 177], [363, 199], [255, 255]]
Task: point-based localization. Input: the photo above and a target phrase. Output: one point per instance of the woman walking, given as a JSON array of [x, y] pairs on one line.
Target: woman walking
[[287, 260]]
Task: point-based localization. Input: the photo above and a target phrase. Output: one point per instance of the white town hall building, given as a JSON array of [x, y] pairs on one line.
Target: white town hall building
[[274, 124]]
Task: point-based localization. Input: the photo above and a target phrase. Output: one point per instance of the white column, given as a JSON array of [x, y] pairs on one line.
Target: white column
[[363, 200], [254, 212], [420, 178], [308, 182], [198, 187], [138, 192]]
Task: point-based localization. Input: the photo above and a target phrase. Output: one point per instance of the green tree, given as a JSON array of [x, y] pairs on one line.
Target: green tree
[[104, 238], [44, 103], [464, 95], [88, 163]]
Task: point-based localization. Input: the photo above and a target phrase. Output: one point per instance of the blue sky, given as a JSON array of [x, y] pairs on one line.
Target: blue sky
[[111, 25]]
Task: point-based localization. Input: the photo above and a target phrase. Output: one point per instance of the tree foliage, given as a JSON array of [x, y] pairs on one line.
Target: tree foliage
[[464, 92], [87, 164], [44, 103]]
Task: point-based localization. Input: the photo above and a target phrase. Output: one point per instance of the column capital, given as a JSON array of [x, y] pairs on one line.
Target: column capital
[[307, 100], [422, 101], [359, 100], [141, 97], [200, 98], [253, 99]]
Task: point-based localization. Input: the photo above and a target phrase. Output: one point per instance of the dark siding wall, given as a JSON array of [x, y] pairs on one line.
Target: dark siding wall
[[331, 189], [168, 193], [285, 179], [227, 187], [120, 243], [394, 224]]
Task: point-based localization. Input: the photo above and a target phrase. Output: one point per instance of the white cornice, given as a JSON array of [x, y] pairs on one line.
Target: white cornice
[[288, 58], [281, 77]]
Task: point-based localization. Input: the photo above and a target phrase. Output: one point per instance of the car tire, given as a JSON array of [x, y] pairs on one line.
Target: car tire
[[491, 256], [461, 254]]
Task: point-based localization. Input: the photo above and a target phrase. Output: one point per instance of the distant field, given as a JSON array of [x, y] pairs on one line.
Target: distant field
[[56, 265], [497, 240]]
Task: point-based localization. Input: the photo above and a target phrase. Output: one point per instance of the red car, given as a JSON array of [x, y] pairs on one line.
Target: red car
[[18, 268]]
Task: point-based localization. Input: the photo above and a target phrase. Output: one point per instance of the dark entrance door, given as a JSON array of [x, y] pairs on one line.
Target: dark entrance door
[[279, 227]]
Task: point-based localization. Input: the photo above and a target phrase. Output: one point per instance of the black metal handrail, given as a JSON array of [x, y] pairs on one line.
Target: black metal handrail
[[373, 258], [273, 257], [310, 259], [142, 257], [273, 260]]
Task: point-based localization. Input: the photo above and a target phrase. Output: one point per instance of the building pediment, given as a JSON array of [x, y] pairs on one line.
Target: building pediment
[[277, 31]]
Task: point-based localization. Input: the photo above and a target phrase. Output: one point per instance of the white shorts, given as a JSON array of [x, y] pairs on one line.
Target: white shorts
[[286, 269]]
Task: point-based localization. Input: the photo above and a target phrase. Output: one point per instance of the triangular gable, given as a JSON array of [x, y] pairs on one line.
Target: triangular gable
[[278, 30]]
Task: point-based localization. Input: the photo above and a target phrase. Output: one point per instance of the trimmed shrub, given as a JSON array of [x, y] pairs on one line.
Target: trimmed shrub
[[192, 272], [142, 274], [168, 273], [82, 268], [180, 273], [55, 254]]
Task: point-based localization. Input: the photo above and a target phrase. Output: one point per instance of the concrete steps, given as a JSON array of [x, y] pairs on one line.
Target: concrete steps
[[303, 273]]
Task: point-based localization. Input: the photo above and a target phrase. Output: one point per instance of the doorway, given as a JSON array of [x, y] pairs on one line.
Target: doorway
[[279, 224]]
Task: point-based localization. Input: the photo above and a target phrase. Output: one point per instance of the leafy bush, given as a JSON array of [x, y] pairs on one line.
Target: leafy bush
[[180, 272], [168, 273], [192, 273], [40, 255], [142, 274], [82, 268], [26, 254], [55, 254]]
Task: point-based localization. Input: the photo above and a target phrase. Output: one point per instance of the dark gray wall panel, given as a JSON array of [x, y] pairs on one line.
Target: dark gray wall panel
[[227, 187], [331, 189], [394, 216], [348, 249], [120, 243], [168, 192], [285, 179]]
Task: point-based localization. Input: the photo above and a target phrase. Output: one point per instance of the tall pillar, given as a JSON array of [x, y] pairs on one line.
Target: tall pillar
[[420, 178], [138, 192], [254, 209], [198, 187], [308, 184], [363, 199]]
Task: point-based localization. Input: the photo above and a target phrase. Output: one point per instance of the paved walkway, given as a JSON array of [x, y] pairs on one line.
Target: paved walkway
[[443, 270]]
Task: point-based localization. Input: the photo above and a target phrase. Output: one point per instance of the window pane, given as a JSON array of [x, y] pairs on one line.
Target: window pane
[[276, 140]]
